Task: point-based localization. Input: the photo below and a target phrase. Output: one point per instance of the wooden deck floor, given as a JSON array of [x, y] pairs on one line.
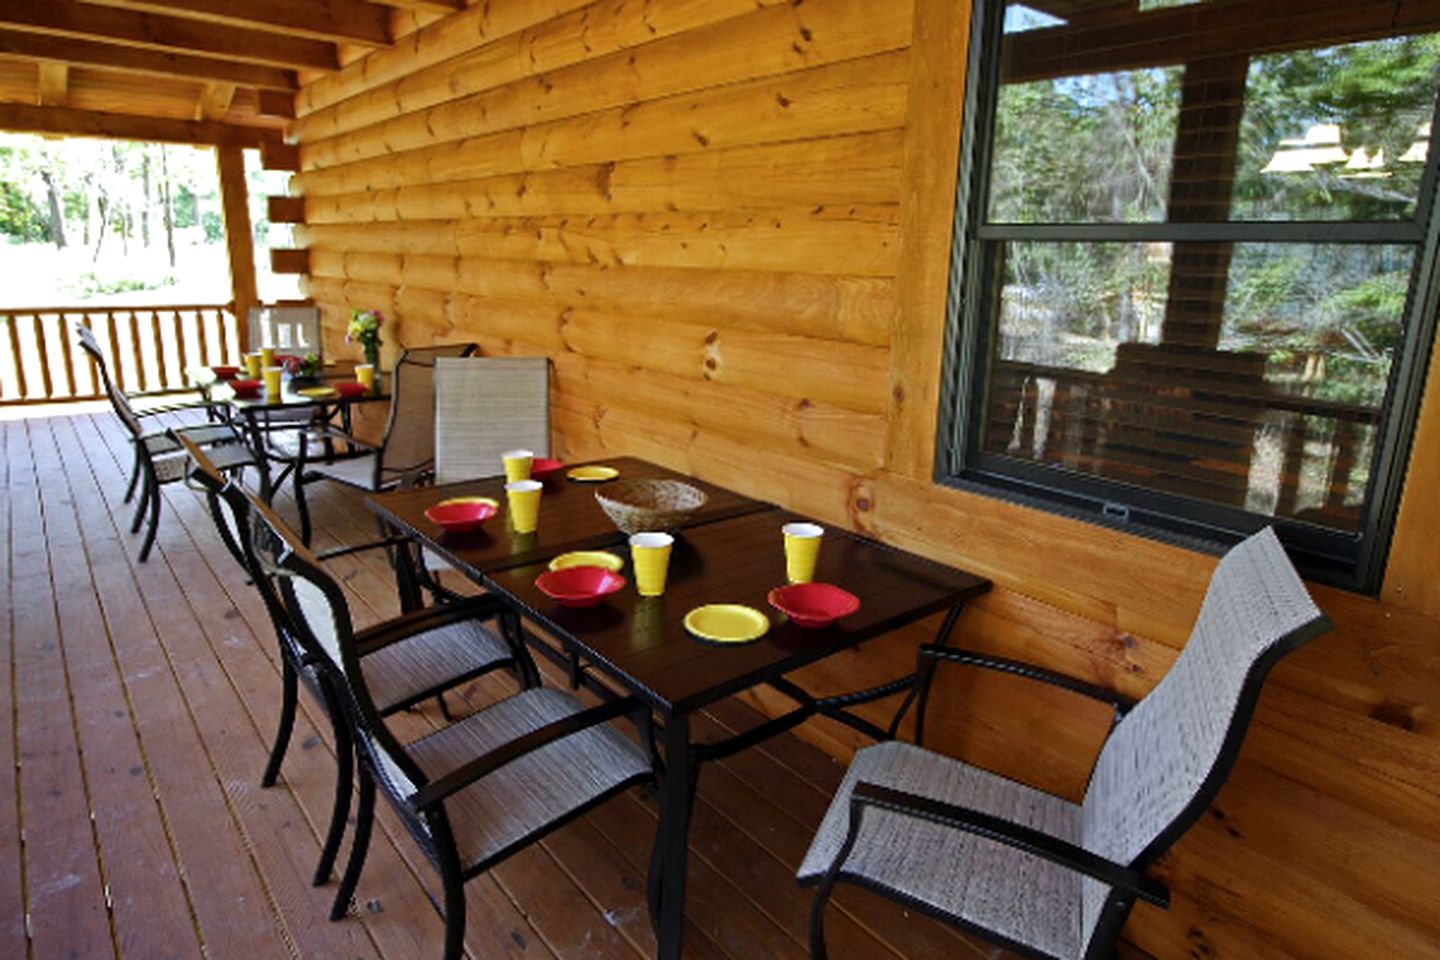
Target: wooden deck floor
[[138, 704]]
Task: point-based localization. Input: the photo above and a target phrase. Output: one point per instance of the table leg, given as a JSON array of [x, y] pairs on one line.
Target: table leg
[[672, 839]]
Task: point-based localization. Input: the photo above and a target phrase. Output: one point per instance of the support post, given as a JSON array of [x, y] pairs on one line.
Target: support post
[[235, 197]]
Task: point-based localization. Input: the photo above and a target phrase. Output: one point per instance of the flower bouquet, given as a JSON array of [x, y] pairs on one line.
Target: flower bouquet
[[365, 329], [302, 371]]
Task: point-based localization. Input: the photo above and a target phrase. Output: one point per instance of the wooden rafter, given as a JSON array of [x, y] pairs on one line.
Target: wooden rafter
[[215, 99], [66, 121], [428, 6], [134, 60], [127, 28], [336, 21], [54, 86]]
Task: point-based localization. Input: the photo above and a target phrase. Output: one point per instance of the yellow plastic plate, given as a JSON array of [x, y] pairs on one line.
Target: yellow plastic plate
[[588, 558], [493, 503], [727, 623], [318, 393], [593, 474]]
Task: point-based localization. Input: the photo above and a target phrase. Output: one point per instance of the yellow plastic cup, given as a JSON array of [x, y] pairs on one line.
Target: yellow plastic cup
[[267, 356], [365, 375], [517, 464], [252, 365], [524, 498], [650, 556], [802, 549], [272, 382]]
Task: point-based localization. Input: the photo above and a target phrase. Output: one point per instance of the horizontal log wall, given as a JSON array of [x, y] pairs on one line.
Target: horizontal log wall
[[728, 223]]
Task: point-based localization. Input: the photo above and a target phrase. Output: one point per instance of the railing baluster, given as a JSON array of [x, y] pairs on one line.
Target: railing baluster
[[14, 325], [180, 341], [112, 330], [42, 347], [162, 374], [67, 355], [134, 327]]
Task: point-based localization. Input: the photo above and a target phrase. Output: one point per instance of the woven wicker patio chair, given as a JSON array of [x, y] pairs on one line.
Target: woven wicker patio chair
[[1032, 872], [474, 792], [404, 661], [406, 452], [158, 457]]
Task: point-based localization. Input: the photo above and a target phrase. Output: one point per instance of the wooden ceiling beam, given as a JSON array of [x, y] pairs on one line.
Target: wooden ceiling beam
[[215, 100], [427, 6], [1114, 39], [149, 31], [107, 56], [67, 121], [336, 21], [54, 84]]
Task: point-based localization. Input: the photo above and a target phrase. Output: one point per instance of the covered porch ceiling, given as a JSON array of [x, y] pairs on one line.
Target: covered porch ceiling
[[203, 71]]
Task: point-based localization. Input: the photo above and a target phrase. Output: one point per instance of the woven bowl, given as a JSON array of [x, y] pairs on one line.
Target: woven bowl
[[636, 506]]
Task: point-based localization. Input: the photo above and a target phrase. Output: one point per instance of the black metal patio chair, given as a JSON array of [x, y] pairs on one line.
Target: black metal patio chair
[[406, 451], [405, 660], [474, 792], [158, 457], [1032, 872]]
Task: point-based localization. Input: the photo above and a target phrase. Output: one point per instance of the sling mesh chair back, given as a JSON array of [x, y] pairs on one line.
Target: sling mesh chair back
[[1033, 872], [406, 451], [476, 791], [405, 660], [158, 458], [287, 329]]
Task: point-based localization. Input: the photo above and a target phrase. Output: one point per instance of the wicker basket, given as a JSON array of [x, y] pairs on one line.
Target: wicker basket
[[636, 506]]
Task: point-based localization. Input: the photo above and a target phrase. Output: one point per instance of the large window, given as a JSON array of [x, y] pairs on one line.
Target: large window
[[1193, 283]]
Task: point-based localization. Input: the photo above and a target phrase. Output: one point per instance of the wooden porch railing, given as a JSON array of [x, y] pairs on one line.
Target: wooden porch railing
[[147, 349]]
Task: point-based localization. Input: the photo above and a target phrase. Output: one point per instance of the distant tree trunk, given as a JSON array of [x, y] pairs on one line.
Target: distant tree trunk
[[145, 187], [125, 222], [57, 216], [85, 223], [165, 200], [102, 206]]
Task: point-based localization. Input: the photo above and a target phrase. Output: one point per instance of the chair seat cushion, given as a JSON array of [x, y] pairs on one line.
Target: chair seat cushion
[[1019, 896], [409, 670], [158, 442], [535, 791], [225, 456]]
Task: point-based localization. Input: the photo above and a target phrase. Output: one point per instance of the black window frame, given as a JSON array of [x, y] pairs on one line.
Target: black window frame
[[1354, 562]]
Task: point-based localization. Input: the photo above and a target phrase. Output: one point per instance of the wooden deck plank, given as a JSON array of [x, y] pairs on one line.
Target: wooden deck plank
[[148, 900], [65, 897], [189, 645], [12, 888], [234, 914]]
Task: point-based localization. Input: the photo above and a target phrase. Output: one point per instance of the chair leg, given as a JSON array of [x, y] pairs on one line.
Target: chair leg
[[288, 696], [444, 707], [302, 507], [817, 923], [454, 913], [364, 820], [344, 782], [134, 478], [140, 507], [154, 522]]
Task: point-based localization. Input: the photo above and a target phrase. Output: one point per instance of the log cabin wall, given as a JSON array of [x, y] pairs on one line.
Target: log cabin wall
[[727, 222]]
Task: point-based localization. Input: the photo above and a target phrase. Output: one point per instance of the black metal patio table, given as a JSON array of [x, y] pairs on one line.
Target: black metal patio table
[[256, 413], [640, 644]]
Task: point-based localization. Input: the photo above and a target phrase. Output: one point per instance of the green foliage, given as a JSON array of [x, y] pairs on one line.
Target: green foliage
[[213, 226], [20, 218]]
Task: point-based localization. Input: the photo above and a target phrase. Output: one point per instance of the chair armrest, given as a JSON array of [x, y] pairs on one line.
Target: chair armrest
[[1018, 668], [484, 765], [1010, 833], [325, 431], [409, 624]]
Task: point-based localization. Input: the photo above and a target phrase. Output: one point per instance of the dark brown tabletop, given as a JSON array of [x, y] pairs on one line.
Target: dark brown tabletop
[[643, 644], [570, 519]]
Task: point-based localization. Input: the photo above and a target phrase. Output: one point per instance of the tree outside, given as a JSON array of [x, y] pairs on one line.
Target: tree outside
[[121, 223]]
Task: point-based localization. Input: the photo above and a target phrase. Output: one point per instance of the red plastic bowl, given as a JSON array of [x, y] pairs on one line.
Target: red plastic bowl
[[351, 388], [543, 468], [579, 586], [246, 389], [813, 604], [461, 517], [225, 373]]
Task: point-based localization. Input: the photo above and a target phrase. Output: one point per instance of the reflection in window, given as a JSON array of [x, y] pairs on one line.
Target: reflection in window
[[1195, 263]]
